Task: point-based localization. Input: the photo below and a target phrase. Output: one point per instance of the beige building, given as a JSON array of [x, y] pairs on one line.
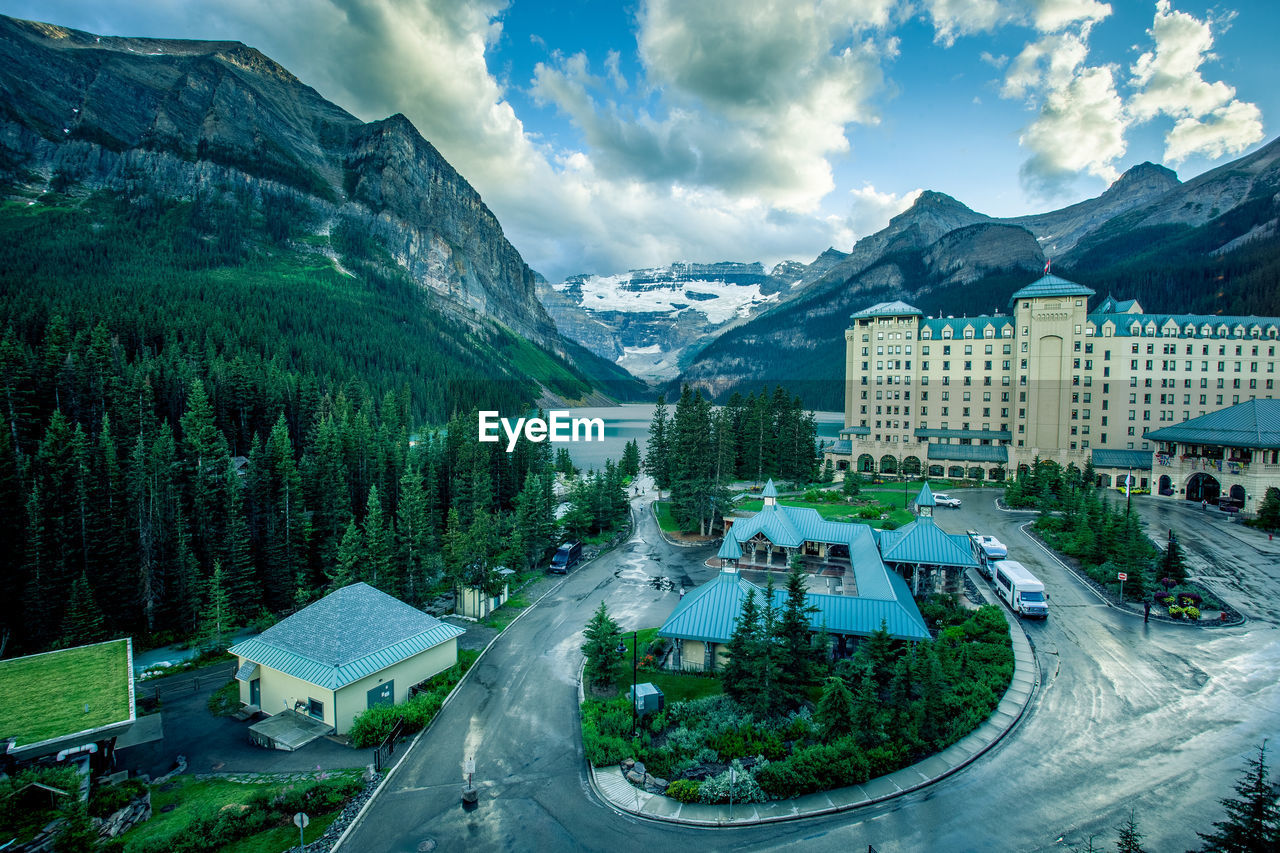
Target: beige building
[[353, 649], [980, 397]]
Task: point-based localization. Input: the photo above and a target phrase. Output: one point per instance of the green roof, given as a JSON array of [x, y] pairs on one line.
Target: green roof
[[887, 309], [969, 452], [1267, 326], [856, 430], [68, 694], [1252, 424], [770, 490], [729, 549], [924, 542], [925, 498], [710, 612], [345, 636], [1107, 458], [1050, 285]]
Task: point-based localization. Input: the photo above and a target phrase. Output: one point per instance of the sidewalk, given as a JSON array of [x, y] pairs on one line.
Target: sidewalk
[[615, 790]]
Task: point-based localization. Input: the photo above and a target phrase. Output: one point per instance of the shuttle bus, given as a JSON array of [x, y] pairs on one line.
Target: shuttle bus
[[1020, 589]]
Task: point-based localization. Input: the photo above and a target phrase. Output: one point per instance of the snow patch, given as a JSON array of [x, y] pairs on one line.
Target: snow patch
[[718, 301]]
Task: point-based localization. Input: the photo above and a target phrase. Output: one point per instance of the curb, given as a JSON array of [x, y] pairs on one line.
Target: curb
[[1120, 608], [400, 761], [923, 780]]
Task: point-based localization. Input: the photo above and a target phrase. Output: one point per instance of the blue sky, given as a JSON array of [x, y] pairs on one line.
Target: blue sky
[[612, 136]]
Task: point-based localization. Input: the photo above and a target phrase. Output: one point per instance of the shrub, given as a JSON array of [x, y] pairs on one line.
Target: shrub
[[109, 799], [870, 512], [1191, 612], [889, 524], [1189, 599], [1175, 612], [745, 789], [684, 790]]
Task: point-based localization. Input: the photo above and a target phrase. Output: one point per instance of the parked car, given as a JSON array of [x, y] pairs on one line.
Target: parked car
[[567, 556], [1168, 493], [946, 500], [1228, 507]]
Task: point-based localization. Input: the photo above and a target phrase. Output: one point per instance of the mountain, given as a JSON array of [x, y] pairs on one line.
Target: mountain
[[652, 321], [263, 169], [1205, 246]]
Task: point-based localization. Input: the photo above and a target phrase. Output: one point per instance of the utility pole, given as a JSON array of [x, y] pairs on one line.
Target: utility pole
[[635, 641]]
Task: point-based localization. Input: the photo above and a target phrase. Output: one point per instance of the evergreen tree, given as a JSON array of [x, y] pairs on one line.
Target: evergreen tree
[[795, 640], [657, 462], [601, 650], [1269, 510], [205, 450], [82, 623], [835, 713], [745, 647], [1172, 564], [1253, 818], [378, 546], [238, 574], [630, 463], [352, 558], [851, 485], [413, 534], [217, 621], [1130, 840]]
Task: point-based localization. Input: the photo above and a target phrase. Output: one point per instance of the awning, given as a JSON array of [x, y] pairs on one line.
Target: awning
[[248, 671]]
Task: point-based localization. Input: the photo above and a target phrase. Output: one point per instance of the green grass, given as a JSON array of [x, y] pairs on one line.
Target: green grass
[[225, 701], [44, 696], [282, 837], [675, 686], [665, 521], [506, 614]]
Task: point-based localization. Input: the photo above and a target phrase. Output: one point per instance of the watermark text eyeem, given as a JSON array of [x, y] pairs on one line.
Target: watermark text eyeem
[[558, 426]]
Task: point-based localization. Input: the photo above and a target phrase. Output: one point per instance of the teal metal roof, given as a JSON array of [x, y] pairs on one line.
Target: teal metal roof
[[1106, 458], [1124, 324], [840, 447], [1111, 305], [925, 498], [1050, 285], [969, 452], [923, 541], [887, 309], [770, 490], [856, 430], [711, 611], [976, 434], [345, 636], [1252, 424], [997, 323], [729, 549]]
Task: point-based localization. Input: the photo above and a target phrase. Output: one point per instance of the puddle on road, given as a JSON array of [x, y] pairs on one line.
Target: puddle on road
[[635, 570]]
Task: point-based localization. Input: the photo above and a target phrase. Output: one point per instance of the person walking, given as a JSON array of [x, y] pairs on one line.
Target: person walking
[[1146, 611]]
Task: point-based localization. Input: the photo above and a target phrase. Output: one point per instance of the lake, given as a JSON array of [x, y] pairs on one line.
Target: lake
[[631, 421]]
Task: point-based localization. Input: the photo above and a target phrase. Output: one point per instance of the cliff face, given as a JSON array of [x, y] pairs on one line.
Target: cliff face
[[180, 118]]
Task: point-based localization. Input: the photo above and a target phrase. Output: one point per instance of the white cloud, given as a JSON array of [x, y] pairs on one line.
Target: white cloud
[[955, 18], [871, 210], [1167, 80]]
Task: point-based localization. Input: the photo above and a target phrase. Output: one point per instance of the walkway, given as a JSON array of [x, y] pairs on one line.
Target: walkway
[[614, 789]]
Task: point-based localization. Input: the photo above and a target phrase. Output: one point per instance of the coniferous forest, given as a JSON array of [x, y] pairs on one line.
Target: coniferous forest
[[196, 409]]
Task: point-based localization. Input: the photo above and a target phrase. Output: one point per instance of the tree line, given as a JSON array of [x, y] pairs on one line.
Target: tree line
[[698, 449]]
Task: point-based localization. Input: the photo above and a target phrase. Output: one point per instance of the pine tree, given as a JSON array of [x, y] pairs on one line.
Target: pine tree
[[745, 647], [1253, 818], [237, 556], [657, 463], [352, 558], [835, 715], [1172, 564], [794, 638], [82, 622], [1130, 840], [601, 650], [378, 550], [1269, 510], [413, 536], [217, 619]]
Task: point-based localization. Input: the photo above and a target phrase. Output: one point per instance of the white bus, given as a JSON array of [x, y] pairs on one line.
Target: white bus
[[1020, 589]]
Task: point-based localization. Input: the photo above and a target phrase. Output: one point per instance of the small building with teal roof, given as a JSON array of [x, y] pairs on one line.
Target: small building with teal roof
[[859, 585]]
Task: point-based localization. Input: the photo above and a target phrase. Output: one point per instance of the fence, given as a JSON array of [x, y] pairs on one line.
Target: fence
[[386, 749], [189, 685]]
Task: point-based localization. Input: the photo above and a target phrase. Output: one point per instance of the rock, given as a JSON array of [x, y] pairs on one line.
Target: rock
[[654, 785], [635, 778], [627, 764]]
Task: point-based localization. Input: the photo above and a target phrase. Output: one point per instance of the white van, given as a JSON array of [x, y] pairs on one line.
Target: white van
[[1020, 589]]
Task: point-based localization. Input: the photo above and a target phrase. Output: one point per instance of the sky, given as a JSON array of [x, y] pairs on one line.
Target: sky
[[612, 136]]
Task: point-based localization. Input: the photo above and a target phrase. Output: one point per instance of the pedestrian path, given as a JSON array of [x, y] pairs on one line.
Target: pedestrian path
[[614, 788]]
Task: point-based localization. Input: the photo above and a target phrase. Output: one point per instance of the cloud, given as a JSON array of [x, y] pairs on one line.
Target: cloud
[[871, 210], [954, 18], [1209, 120]]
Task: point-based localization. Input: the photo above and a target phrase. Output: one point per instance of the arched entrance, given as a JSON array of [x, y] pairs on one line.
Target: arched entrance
[[888, 464], [911, 466], [1202, 487], [1237, 494], [935, 470], [866, 463], [956, 472], [1166, 485], [975, 473]]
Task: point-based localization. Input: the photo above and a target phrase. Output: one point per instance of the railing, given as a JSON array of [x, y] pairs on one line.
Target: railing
[[386, 749], [190, 685]]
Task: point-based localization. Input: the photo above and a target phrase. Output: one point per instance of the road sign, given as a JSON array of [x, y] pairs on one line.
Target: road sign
[[1122, 576], [301, 820]]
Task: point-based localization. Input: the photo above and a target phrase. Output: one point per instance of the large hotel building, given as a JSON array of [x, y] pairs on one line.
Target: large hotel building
[[980, 397]]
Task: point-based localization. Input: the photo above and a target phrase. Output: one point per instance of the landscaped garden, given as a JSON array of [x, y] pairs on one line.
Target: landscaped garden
[[782, 715], [1105, 539]]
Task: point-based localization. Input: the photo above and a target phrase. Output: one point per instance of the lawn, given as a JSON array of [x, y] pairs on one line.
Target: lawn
[[675, 686], [506, 614], [64, 692], [665, 521]]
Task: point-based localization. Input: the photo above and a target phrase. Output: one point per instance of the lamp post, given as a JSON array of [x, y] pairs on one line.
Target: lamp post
[[1128, 491], [635, 641]]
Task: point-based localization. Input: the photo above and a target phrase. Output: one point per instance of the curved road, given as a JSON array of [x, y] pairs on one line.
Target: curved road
[[1154, 717]]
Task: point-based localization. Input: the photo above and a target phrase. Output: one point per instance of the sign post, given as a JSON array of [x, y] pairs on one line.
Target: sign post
[[302, 820], [1123, 576]]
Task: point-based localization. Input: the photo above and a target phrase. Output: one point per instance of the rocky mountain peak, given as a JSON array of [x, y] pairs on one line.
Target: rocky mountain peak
[[1147, 180]]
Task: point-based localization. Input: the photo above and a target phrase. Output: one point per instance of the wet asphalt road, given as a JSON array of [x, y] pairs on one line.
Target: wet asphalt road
[[1156, 717]]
